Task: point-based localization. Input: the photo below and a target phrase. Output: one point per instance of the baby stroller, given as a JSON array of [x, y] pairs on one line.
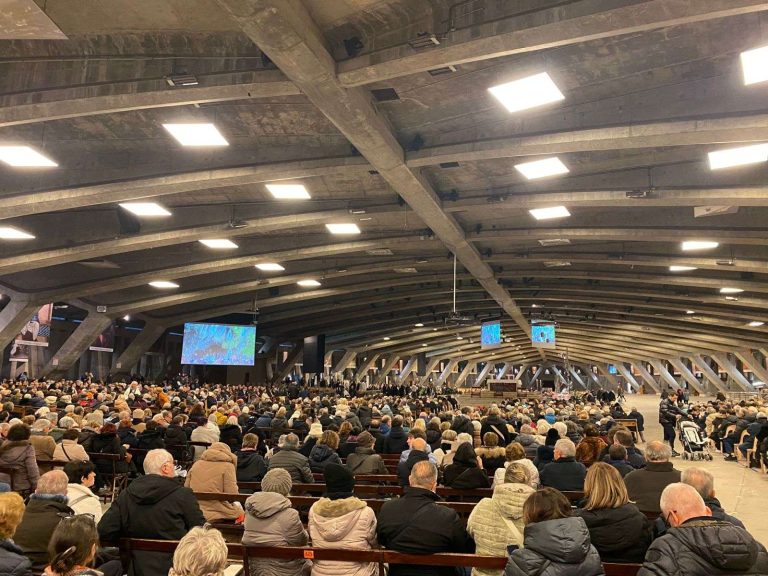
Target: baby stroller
[[694, 446]]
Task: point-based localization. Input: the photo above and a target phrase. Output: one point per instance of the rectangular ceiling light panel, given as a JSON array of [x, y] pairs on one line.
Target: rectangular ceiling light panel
[[550, 213], [308, 283], [542, 168], [10, 233], [270, 267], [343, 228], [219, 243], [529, 92], [24, 157], [742, 156], [288, 191], [754, 64], [196, 134], [699, 245], [682, 268], [145, 208]]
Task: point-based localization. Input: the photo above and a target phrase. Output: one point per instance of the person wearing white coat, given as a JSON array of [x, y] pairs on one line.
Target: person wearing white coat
[[81, 475], [209, 433]]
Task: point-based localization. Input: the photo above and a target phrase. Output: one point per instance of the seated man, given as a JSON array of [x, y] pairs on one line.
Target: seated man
[[564, 473], [617, 457], [416, 524], [704, 483], [289, 459], [153, 506], [413, 435], [753, 431], [697, 544], [251, 466], [645, 485], [417, 453], [624, 438]]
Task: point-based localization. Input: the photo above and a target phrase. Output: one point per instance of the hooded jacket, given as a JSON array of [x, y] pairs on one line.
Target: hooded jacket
[[346, 523], [464, 472], [155, 507], [215, 472], [497, 522], [271, 521], [251, 466], [20, 456], [83, 501], [366, 461], [556, 548], [40, 519], [705, 547], [208, 433], [528, 441], [322, 455], [620, 534], [395, 442], [12, 560]]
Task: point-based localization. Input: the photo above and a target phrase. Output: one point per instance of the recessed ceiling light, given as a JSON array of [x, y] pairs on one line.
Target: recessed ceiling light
[[308, 283], [270, 267], [732, 298], [699, 245], [528, 92], [219, 243], [741, 156], [459, 338], [145, 208], [542, 168], [196, 134], [419, 324], [682, 268], [731, 290], [549, 213], [163, 284], [127, 318], [424, 345], [24, 157], [343, 228], [386, 338], [756, 323], [9, 233], [754, 64], [690, 311], [288, 191]]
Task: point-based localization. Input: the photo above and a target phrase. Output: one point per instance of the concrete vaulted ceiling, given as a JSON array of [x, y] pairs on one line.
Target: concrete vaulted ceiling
[[381, 110]]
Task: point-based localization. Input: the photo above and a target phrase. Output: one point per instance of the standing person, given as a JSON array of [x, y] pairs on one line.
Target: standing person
[[668, 416], [556, 543], [13, 562]]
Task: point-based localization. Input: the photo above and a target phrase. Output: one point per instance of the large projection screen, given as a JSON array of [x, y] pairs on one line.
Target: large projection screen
[[490, 334], [219, 344], [543, 335]]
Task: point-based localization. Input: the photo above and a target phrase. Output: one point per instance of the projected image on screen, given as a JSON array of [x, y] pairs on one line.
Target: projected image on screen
[[543, 335], [490, 334], [612, 369], [221, 344]]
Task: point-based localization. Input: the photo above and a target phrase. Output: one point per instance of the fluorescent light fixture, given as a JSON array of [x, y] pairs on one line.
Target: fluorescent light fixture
[[682, 268], [424, 345], [343, 228], [731, 290], [690, 311], [9, 233], [288, 191], [270, 267], [308, 283], [163, 284], [145, 208], [24, 157], [196, 134], [219, 243], [549, 213], [699, 245], [419, 324], [387, 338], [459, 338], [732, 298], [754, 64], [528, 92], [756, 324], [741, 156], [127, 318], [542, 168]]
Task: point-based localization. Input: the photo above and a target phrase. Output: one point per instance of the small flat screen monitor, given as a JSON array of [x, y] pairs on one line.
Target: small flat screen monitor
[[490, 334], [219, 344], [543, 335], [612, 369]]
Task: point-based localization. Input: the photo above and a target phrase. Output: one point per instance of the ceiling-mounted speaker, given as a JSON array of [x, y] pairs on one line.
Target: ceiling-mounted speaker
[[129, 223]]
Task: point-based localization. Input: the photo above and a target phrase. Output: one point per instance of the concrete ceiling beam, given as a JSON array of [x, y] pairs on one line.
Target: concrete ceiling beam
[[687, 375], [748, 357], [708, 373], [574, 23]]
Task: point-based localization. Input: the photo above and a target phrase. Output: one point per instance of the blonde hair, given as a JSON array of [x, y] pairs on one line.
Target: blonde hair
[[330, 439], [202, 552], [604, 487], [11, 511], [419, 425]]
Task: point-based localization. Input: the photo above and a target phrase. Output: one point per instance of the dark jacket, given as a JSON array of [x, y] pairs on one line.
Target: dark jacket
[[544, 455], [12, 560], [175, 435], [366, 461], [555, 548], [306, 448], [434, 438], [668, 412], [719, 514], [464, 472], [127, 436], [251, 466], [395, 442], [646, 485], [621, 465], [619, 534], [498, 426], [19, 456], [404, 467], [416, 524], [705, 547], [462, 424], [296, 465], [231, 435], [639, 418], [322, 455], [37, 525], [564, 474], [154, 507]]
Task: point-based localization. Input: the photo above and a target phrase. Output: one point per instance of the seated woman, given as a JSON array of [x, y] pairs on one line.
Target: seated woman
[[617, 528], [13, 562], [72, 549], [515, 452], [81, 477], [18, 455], [324, 452], [202, 552], [68, 449], [215, 472], [492, 455], [497, 522], [364, 460], [466, 471], [546, 453], [556, 544], [590, 447], [340, 520], [446, 445]]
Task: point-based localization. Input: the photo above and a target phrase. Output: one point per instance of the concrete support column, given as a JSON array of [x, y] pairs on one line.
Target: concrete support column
[[645, 375], [143, 342], [388, 365], [687, 375], [268, 346], [628, 376], [89, 329], [448, 368], [709, 374], [754, 364], [464, 373], [434, 361], [487, 369], [610, 377], [408, 368], [576, 377], [664, 374], [536, 375], [290, 362], [559, 376], [342, 364], [591, 376], [365, 366], [504, 370], [14, 317], [725, 363]]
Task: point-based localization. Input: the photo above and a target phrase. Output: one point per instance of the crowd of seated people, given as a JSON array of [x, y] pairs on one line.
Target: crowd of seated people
[[178, 442]]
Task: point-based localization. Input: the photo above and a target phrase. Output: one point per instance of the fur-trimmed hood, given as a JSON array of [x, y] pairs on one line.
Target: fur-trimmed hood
[[347, 521], [334, 508], [497, 452]]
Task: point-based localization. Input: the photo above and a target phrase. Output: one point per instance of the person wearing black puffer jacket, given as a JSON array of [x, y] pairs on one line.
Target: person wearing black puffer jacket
[[699, 545], [251, 466], [466, 471], [324, 452], [396, 441], [668, 415], [617, 529]]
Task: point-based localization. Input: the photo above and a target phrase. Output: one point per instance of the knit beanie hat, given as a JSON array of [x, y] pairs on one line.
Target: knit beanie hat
[[277, 480], [339, 481]]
